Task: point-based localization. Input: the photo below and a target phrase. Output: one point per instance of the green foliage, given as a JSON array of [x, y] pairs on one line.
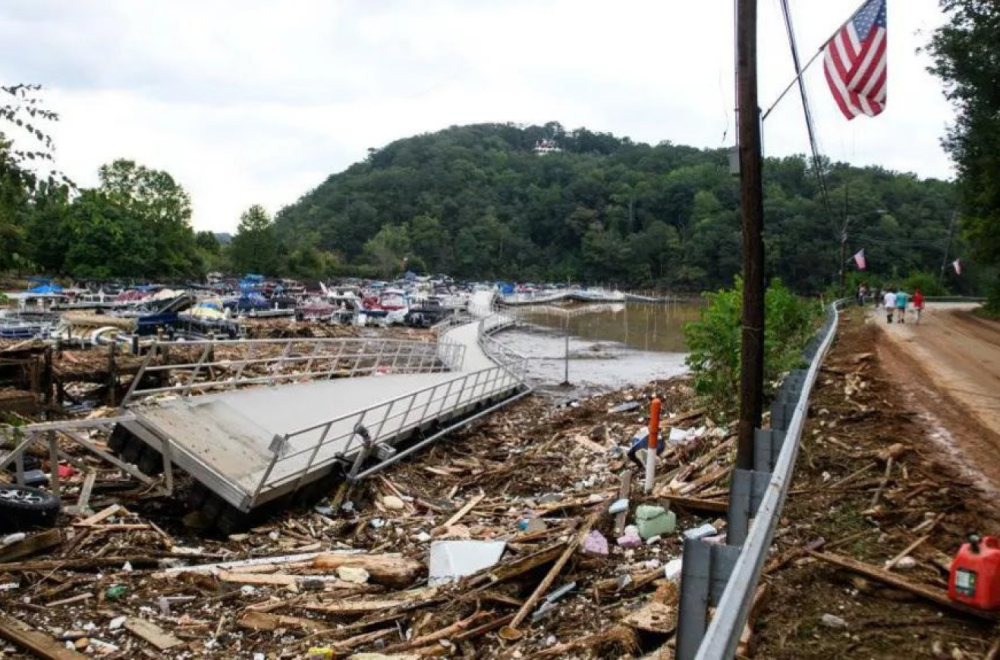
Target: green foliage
[[254, 249], [163, 210], [477, 202], [714, 342], [927, 283], [965, 58]]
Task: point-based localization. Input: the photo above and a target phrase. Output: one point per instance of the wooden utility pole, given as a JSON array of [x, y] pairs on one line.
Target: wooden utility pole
[[947, 247], [752, 209]]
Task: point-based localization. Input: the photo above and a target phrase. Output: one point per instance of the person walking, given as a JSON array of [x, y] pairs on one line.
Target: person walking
[[918, 305], [889, 300], [901, 299], [862, 294]]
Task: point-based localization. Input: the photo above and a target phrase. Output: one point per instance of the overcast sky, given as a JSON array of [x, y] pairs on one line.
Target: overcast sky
[[258, 101]]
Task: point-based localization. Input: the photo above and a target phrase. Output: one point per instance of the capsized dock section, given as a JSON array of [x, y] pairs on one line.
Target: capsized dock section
[[253, 445]]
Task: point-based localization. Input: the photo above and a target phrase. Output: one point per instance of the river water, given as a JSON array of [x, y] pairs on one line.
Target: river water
[[610, 346]]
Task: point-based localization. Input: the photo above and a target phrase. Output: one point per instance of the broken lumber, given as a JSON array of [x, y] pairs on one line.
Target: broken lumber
[[355, 606], [697, 503], [261, 621], [39, 644], [553, 573], [936, 596], [100, 516], [31, 545], [390, 570], [624, 490], [152, 633], [82, 563], [464, 510], [496, 574], [889, 565]]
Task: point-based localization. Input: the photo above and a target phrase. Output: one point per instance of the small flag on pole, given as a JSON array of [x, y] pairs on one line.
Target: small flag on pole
[[855, 62], [957, 265], [859, 260]]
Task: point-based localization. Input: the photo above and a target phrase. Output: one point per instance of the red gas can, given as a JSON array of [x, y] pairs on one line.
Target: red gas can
[[975, 574]]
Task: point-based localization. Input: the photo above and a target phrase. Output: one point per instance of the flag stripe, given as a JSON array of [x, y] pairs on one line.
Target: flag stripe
[[855, 62]]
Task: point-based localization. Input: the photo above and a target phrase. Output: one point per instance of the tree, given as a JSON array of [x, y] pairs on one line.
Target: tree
[[388, 249], [965, 58], [254, 249], [162, 206]]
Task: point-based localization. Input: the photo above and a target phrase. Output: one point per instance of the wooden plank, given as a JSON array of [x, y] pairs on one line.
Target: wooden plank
[[465, 509], [31, 545], [88, 485], [152, 633], [356, 606], [697, 503], [624, 490], [39, 644], [936, 596], [261, 621], [100, 516]]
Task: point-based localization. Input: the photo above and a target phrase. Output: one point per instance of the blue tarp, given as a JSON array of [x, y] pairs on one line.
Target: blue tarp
[[46, 288]]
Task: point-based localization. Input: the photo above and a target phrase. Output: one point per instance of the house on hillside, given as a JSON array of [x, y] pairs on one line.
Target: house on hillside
[[543, 147]]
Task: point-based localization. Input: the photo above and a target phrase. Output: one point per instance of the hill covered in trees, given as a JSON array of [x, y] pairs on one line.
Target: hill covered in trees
[[478, 201]]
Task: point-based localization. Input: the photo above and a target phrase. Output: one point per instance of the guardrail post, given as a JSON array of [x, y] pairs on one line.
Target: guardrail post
[[767, 447], [704, 574], [746, 490]]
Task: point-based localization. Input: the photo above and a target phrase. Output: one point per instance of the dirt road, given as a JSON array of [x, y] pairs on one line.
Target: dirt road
[[949, 368]]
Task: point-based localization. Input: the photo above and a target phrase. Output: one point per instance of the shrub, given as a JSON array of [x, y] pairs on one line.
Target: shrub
[[714, 343], [926, 282]]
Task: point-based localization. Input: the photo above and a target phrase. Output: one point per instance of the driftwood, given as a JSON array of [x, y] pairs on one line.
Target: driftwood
[[553, 573], [391, 570], [253, 620], [83, 563], [936, 596]]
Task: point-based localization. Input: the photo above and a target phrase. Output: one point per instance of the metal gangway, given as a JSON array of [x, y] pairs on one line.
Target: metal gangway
[[253, 421]]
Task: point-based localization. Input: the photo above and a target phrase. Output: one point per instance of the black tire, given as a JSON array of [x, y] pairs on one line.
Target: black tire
[[22, 507]]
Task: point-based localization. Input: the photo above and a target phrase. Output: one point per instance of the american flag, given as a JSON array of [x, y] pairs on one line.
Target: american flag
[[859, 260], [957, 265], [855, 62]]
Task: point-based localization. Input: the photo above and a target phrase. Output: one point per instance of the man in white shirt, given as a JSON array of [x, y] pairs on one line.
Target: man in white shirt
[[890, 304]]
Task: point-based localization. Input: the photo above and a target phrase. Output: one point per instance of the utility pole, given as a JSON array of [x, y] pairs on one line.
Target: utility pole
[[947, 247], [843, 259], [752, 209]]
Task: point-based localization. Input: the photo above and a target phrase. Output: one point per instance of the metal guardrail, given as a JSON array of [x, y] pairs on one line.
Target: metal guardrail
[[232, 364], [720, 639]]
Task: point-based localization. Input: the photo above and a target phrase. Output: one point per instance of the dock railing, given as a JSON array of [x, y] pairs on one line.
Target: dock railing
[[300, 453], [224, 365]]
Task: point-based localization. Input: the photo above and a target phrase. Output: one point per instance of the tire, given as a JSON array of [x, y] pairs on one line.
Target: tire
[[22, 507]]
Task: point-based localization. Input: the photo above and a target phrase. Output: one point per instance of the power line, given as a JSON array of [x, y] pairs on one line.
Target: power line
[[813, 145]]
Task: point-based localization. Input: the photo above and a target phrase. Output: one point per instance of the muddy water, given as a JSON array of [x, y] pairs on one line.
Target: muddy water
[[609, 346]]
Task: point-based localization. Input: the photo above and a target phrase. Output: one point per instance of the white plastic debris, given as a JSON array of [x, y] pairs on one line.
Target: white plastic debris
[[451, 560]]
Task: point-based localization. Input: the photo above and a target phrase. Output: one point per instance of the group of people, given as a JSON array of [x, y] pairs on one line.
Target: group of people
[[895, 302]]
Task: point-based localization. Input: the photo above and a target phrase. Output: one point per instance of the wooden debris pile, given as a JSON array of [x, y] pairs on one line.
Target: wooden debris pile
[[511, 509], [871, 524]]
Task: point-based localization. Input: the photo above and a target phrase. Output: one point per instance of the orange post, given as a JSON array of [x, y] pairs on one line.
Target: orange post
[[654, 431], [654, 422]]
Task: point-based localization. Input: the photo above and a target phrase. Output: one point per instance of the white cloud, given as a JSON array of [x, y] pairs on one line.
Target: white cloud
[[258, 101]]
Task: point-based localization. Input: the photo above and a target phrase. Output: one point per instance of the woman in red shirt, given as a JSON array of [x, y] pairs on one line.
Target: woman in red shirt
[[918, 304]]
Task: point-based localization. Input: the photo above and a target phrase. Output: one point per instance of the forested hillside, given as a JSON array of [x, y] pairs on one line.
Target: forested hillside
[[477, 201]]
